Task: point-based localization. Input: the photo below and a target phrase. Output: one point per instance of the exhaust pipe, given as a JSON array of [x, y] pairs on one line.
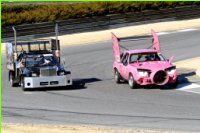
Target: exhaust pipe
[[15, 38], [56, 31], [57, 52], [15, 50]]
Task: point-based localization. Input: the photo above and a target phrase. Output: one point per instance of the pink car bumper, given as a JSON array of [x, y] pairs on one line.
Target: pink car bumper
[[151, 79]]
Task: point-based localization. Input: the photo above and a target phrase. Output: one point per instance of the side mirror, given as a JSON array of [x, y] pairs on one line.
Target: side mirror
[[170, 59], [125, 63]]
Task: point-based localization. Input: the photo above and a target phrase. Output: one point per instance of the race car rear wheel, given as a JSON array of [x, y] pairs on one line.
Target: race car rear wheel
[[117, 76], [131, 81]]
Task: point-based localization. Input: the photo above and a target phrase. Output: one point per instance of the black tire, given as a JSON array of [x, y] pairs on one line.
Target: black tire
[[174, 85], [22, 83], [117, 76], [131, 81], [11, 78]]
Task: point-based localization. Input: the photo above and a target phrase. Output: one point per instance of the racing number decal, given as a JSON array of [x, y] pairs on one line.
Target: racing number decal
[[123, 69]]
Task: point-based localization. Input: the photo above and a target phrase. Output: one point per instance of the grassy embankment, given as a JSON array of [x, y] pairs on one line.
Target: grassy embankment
[[16, 14]]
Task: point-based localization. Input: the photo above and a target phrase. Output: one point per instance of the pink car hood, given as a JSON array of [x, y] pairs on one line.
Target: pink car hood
[[153, 65]]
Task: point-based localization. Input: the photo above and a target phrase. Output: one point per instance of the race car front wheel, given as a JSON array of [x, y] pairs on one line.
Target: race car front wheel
[[11, 78], [174, 85], [22, 83], [131, 81], [117, 76]]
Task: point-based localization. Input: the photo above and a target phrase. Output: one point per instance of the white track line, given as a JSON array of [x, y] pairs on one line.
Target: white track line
[[191, 91], [177, 31], [189, 87], [163, 33], [185, 30]]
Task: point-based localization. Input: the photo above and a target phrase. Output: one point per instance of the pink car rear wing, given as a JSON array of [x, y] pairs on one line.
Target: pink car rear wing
[[116, 46], [116, 49], [155, 41]]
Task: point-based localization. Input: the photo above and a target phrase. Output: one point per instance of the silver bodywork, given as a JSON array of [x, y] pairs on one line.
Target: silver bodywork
[[36, 63], [47, 81]]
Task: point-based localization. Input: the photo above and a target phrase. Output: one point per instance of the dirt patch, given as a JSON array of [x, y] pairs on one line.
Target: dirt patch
[[92, 37], [30, 128]]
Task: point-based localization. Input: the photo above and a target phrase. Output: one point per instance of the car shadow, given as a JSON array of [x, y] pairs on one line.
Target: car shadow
[[81, 83], [78, 84], [185, 78]]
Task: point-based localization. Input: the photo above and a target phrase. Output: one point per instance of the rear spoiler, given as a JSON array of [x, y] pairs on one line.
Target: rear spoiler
[[31, 42], [155, 42], [133, 38]]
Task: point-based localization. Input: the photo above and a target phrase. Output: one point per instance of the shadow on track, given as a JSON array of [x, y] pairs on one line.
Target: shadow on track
[[185, 76], [78, 84]]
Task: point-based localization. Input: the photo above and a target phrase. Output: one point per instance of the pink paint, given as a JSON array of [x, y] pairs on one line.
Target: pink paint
[[155, 41], [147, 66], [116, 49]]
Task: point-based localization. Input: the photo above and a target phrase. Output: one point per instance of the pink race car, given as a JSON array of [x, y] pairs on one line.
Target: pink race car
[[143, 66]]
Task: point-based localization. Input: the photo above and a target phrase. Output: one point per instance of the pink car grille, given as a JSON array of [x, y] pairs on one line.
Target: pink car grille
[[160, 77]]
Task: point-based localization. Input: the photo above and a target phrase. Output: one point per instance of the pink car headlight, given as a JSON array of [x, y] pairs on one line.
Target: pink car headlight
[[143, 72], [171, 70]]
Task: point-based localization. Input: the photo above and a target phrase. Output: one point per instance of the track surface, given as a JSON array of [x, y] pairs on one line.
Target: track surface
[[102, 102]]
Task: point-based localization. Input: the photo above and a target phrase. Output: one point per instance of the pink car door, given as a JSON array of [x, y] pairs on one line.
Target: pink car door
[[116, 49], [155, 41], [124, 66]]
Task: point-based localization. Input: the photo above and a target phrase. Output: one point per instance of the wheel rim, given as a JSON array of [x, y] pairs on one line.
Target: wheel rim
[[130, 81]]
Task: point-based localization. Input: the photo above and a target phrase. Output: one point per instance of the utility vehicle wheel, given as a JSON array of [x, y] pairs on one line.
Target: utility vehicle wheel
[[22, 83], [117, 76], [131, 81], [11, 78]]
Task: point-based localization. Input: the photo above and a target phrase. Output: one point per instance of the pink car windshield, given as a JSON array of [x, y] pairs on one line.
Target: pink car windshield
[[142, 57]]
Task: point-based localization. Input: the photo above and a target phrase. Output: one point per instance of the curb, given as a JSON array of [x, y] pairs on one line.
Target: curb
[[192, 63], [198, 72]]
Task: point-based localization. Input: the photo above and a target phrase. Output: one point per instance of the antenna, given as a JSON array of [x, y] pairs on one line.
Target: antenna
[[57, 52]]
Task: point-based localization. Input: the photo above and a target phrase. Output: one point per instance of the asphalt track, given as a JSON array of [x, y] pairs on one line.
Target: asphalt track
[[95, 99]]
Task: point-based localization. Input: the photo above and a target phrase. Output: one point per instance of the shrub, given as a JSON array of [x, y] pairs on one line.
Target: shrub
[[34, 13]]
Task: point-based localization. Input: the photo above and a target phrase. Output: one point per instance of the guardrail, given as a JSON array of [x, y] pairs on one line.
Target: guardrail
[[46, 29]]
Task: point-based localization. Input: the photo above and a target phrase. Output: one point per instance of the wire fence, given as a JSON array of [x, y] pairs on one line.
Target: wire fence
[[46, 29]]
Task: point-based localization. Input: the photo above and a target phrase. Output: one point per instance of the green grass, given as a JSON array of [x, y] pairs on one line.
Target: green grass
[[49, 12]]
